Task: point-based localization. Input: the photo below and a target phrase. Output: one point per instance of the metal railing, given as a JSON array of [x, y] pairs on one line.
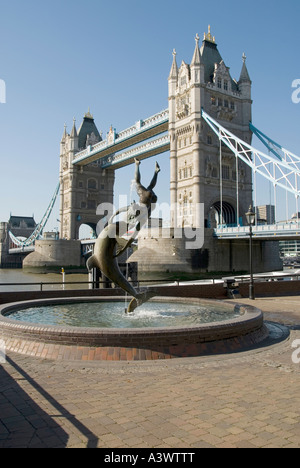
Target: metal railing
[[267, 278], [42, 285]]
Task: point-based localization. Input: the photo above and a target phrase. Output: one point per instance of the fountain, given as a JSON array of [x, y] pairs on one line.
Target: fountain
[[96, 328], [242, 327]]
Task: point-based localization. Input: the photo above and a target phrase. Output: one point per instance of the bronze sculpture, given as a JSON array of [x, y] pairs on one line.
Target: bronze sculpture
[[114, 239]]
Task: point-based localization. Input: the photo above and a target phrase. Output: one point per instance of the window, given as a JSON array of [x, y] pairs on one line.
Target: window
[[220, 102], [219, 83], [214, 173], [92, 184], [225, 172], [225, 85], [232, 106], [185, 206], [209, 139], [213, 101], [226, 104], [183, 80], [91, 204], [185, 172]]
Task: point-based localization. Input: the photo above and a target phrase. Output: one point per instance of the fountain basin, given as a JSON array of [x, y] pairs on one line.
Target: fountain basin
[[244, 330]]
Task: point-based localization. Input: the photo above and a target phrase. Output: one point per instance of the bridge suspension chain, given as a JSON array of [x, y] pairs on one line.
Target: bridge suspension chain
[[39, 228], [282, 170]]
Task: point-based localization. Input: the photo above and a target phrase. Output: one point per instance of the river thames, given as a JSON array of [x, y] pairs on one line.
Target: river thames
[[8, 276]]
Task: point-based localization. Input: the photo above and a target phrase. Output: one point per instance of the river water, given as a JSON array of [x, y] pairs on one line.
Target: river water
[[8, 276]]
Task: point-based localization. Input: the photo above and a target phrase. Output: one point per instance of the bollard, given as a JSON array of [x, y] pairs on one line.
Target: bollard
[[63, 277]]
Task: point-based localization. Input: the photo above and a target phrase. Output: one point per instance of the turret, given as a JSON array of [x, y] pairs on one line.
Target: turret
[[197, 77], [244, 82], [244, 85], [74, 138], [173, 76], [197, 67], [63, 141]]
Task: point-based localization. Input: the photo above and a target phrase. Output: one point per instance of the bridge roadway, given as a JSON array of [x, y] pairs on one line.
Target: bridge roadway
[[288, 231], [143, 130]]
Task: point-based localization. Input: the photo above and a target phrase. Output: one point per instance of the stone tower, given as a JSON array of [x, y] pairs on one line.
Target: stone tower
[[201, 171], [82, 189]]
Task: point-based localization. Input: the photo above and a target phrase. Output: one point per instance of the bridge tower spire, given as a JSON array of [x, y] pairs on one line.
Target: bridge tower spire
[[245, 85]]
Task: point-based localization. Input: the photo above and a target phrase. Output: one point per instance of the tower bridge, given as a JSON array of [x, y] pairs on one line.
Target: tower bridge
[[207, 129]]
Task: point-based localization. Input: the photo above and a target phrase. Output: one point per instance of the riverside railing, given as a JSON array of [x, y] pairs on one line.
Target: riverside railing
[[59, 285], [42, 285]]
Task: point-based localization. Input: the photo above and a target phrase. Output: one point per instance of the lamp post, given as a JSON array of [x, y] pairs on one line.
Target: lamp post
[[250, 216]]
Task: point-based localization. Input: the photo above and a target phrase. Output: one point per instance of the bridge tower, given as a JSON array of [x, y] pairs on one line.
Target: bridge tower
[[201, 170], [82, 189]]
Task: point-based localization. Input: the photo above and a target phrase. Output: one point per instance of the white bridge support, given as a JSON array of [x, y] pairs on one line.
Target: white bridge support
[[282, 172]]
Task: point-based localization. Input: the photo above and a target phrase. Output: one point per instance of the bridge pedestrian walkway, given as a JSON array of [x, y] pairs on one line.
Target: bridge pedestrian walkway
[[281, 231], [250, 399]]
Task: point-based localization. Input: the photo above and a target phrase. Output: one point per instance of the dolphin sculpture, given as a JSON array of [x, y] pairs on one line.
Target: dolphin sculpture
[[112, 241]]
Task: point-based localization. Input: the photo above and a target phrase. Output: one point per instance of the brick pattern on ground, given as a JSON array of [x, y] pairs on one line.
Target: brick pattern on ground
[[247, 399]]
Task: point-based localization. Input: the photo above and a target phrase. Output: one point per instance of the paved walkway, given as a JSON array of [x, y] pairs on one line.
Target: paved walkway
[[250, 399]]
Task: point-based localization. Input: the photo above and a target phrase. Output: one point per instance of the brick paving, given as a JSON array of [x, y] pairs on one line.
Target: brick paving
[[248, 399]]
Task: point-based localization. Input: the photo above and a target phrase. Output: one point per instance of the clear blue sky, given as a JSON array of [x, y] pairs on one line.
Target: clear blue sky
[[60, 57]]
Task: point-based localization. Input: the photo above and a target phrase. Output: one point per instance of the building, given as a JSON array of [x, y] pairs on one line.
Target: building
[[82, 189], [21, 227], [201, 171], [204, 173], [265, 214]]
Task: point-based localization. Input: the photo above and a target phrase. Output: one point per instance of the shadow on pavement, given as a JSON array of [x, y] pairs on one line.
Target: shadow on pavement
[[23, 423]]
